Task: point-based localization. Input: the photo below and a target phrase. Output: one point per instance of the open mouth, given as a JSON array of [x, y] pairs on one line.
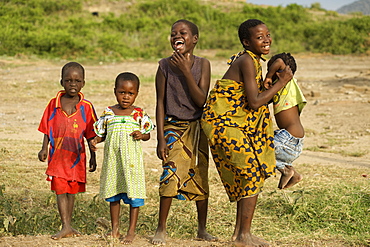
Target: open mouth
[[178, 44]]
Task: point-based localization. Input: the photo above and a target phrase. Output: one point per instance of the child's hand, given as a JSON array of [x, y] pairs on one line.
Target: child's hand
[[267, 83], [183, 62], [137, 135], [162, 151], [286, 75], [43, 154], [92, 164], [92, 144]]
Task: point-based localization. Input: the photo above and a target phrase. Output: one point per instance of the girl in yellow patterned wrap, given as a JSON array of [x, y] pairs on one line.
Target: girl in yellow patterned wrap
[[237, 122]]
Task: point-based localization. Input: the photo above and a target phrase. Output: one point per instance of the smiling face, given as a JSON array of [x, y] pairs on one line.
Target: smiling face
[[259, 41], [182, 38], [72, 81], [126, 93]]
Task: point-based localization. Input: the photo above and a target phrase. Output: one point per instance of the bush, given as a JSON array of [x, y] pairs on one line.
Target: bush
[[64, 29]]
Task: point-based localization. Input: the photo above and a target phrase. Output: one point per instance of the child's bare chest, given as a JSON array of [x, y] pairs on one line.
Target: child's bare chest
[[68, 105]]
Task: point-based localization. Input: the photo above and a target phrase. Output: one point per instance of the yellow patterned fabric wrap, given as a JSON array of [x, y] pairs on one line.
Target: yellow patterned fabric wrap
[[185, 173], [241, 139]]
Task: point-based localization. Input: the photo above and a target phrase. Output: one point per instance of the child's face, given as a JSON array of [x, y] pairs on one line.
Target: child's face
[[73, 81], [260, 40], [182, 39], [126, 93]]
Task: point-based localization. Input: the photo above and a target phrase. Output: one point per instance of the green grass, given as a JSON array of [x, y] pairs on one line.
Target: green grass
[[331, 204]]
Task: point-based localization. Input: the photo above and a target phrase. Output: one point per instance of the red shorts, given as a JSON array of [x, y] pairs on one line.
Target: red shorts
[[62, 186]]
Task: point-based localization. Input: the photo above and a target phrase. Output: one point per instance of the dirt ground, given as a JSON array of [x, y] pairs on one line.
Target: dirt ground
[[336, 118]]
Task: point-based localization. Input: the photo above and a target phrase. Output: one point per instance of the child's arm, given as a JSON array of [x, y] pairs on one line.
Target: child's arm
[[93, 141], [43, 154], [277, 66], [137, 135], [256, 99], [198, 92], [160, 81], [92, 162]]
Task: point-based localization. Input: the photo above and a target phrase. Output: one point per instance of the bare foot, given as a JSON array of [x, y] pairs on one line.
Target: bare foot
[[245, 241], [260, 241], [159, 238], [206, 237], [114, 234], [256, 240], [65, 233], [128, 239], [294, 180], [233, 237], [286, 174]]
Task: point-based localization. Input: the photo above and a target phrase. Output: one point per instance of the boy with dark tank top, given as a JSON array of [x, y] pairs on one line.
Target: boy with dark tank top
[[182, 83]]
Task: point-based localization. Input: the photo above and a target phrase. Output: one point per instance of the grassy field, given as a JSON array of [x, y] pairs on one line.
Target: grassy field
[[330, 207]]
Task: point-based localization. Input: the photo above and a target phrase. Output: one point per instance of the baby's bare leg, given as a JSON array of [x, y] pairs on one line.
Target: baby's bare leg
[[286, 174], [296, 178]]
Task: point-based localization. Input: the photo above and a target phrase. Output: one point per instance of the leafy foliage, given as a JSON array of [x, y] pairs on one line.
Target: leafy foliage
[[65, 29]]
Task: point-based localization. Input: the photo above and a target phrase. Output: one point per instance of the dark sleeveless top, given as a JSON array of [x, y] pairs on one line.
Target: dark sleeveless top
[[178, 102]]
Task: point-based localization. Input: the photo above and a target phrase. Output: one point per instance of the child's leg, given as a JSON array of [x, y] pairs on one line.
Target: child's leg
[[114, 215], [134, 214], [65, 207], [202, 208], [296, 178], [164, 208], [246, 211], [237, 221]]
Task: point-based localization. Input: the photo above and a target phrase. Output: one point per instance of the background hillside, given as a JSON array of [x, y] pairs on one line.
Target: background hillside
[[115, 30], [361, 6]]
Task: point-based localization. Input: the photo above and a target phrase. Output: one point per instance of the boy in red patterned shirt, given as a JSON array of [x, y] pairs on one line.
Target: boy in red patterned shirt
[[67, 120]]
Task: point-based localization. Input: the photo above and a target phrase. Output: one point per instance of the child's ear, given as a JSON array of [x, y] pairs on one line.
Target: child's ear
[[245, 43], [83, 84], [195, 39], [61, 82]]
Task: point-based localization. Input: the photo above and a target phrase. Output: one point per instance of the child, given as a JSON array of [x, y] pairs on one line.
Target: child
[[288, 105], [122, 126], [182, 83], [237, 122], [67, 119]]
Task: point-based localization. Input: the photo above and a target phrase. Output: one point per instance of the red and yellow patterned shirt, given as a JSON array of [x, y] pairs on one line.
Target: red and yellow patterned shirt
[[67, 157]]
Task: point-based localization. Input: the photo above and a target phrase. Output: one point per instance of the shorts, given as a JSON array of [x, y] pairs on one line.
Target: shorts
[[134, 202], [63, 186], [287, 148]]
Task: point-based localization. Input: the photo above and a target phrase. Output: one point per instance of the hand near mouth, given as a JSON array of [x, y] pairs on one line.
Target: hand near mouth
[[183, 62]]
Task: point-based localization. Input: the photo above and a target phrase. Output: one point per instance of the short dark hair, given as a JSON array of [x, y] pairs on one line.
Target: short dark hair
[[243, 31], [191, 25], [287, 58], [127, 76], [74, 65]]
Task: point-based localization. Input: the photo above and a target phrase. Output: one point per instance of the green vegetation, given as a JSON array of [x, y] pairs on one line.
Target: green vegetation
[[314, 212], [330, 207], [66, 29]]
